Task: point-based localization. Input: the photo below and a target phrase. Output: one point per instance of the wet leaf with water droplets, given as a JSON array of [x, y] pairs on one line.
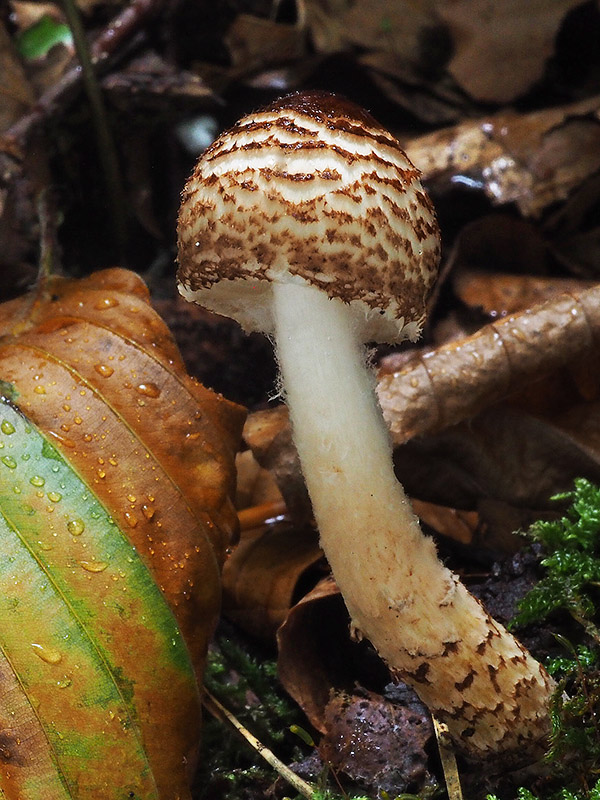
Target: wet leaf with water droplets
[[103, 653]]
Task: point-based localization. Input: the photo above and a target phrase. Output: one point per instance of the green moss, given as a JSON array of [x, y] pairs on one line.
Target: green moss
[[570, 581], [250, 689], [571, 561]]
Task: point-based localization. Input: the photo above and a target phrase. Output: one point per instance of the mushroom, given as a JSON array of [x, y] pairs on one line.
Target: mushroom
[[307, 221]]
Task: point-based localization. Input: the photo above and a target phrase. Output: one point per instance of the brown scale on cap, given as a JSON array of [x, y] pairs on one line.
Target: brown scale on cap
[[311, 187]]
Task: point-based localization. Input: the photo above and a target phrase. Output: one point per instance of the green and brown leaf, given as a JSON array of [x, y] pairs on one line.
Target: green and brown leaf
[[111, 543]]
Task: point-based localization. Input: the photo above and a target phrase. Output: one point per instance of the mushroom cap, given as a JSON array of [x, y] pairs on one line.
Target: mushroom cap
[[310, 189]]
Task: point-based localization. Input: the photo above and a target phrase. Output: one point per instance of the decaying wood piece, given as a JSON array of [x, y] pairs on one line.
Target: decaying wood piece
[[455, 381]]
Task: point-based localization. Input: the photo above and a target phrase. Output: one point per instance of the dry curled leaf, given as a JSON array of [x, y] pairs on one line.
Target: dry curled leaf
[[502, 453], [261, 577], [456, 380], [269, 436], [533, 160], [116, 474], [316, 653], [501, 48], [498, 294]]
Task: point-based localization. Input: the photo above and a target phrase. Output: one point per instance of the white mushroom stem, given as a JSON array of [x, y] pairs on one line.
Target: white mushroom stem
[[433, 634]]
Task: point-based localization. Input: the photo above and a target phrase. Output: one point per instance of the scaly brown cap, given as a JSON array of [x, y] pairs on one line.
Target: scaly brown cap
[[309, 189]]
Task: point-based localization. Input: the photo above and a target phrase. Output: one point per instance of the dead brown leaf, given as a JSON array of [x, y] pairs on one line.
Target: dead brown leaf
[[533, 160], [255, 43], [269, 436], [16, 93], [262, 576], [501, 48], [498, 294], [315, 652], [431, 393], [502, 453], [94, 371], [446, 521]]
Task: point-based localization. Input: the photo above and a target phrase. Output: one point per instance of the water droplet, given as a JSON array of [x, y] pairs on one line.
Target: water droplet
[[148, 511], [37, 480], [54, 497], [76, 526], [17, 489], [87, 437], [6, 427], [9, 462], [131, 519], [47, 654], [64, 682], [64, 440], [132, 498], [104, 370], [106, 302], [148, 389], [77, 420], [113, 461], [45, 546], [93, 566], [39, 389], [66, 407], [101, 473]]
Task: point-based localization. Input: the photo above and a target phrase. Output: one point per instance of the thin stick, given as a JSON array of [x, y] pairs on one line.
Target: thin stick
[[255, 516], [107, 150], [448, 759], [110, 42], [219, 711], [48, 264]]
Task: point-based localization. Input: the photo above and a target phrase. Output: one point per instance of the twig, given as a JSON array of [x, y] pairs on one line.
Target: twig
[[255, 516], [48, 264], [448, 760], [219, 711], [120, 29], [107, 150]]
